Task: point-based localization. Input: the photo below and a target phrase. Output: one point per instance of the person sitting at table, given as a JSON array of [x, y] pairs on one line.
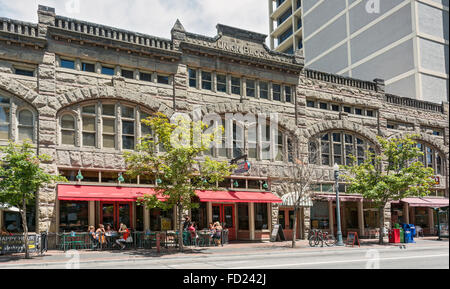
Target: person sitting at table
[[193, 232], [101, 234], [124, 233], [211, 229], [187, 223], [13, 227], [217, 233], [5, 232], [93, 236]]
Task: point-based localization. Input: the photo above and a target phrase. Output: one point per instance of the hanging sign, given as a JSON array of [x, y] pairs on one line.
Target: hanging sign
[[242, 167]]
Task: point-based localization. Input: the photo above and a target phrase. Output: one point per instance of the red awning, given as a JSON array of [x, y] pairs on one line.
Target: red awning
[[343, 198], [237, 197], [426, 202], [102, 193]]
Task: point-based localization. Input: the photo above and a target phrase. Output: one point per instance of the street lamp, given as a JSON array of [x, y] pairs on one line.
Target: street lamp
[[338, 208]]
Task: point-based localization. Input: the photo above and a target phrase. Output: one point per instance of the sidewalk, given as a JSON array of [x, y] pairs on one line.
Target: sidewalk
[[241, 248]]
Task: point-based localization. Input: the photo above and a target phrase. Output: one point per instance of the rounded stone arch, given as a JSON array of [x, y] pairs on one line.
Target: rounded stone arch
[[81, 95], [285, 123], [341, 125], [16, 89], [427, 139]]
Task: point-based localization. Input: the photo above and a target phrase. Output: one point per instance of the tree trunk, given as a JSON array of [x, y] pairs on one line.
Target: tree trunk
[[381, 224], [23, 213], [294, 229], [180, 227]]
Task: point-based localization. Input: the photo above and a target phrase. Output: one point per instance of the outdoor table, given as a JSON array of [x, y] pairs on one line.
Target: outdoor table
[[205, 238], [111, 240]]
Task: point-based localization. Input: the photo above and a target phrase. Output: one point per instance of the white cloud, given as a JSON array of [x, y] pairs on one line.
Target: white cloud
[[154, 17]]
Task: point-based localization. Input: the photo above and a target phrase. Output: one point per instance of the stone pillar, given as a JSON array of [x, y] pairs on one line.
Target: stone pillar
[[331, 216], [180, 84], [91, 213], [275, 213], [146, 219], [307, 221], [343, 220], [1, 219], [55, 227], [209, 212], [406, 213], [46, 17], [361, 217], [431, 220], [251, 217], [387, 216], [47, 104]]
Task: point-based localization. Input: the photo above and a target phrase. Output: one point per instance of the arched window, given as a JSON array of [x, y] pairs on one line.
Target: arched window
[[337, 148], [128, 128], [105, 125], [4, 117], [26, 125], [68, 130], [431, 158], [89, 127]]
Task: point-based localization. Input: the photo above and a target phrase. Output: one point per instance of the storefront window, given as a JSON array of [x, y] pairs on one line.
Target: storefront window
[[291, 219], [421, 217], [12, 221], [161, 220], [351, 215], [319, 215], [73, 216], [261, 217], [282, 218], [199, 216], [139, 218], [370, 216]]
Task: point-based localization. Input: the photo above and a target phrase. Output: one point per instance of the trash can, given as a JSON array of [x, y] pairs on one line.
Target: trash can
[[413, 232], [394, 236], [408, 237]]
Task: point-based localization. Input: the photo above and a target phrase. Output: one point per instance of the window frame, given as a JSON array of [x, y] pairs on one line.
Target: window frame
[[19, 125], [74, 130]]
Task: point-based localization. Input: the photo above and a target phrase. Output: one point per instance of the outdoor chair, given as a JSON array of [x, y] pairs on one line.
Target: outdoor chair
[[94, 244], [419, 231]]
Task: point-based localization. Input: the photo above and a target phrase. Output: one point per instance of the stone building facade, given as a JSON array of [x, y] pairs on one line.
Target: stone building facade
[[79, 91]]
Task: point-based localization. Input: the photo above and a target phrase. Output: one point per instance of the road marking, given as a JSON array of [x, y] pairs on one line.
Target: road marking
[[344, 261]]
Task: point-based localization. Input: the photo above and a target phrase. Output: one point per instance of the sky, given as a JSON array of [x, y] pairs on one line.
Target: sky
[[153, 17]]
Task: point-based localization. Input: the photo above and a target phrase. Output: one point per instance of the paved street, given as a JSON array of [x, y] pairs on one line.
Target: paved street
[[425, 254]]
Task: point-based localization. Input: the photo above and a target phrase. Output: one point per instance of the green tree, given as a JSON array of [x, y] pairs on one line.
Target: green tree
[[21, 176], [394, 174], [179, 167]]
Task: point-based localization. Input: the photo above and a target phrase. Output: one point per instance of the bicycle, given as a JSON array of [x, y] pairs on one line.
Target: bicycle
[[318, 236]]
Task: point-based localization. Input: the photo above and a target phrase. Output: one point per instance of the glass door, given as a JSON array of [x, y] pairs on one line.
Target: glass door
[[224, 214], [107, 215], [114, 213], [124, 214], [228, 221]]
